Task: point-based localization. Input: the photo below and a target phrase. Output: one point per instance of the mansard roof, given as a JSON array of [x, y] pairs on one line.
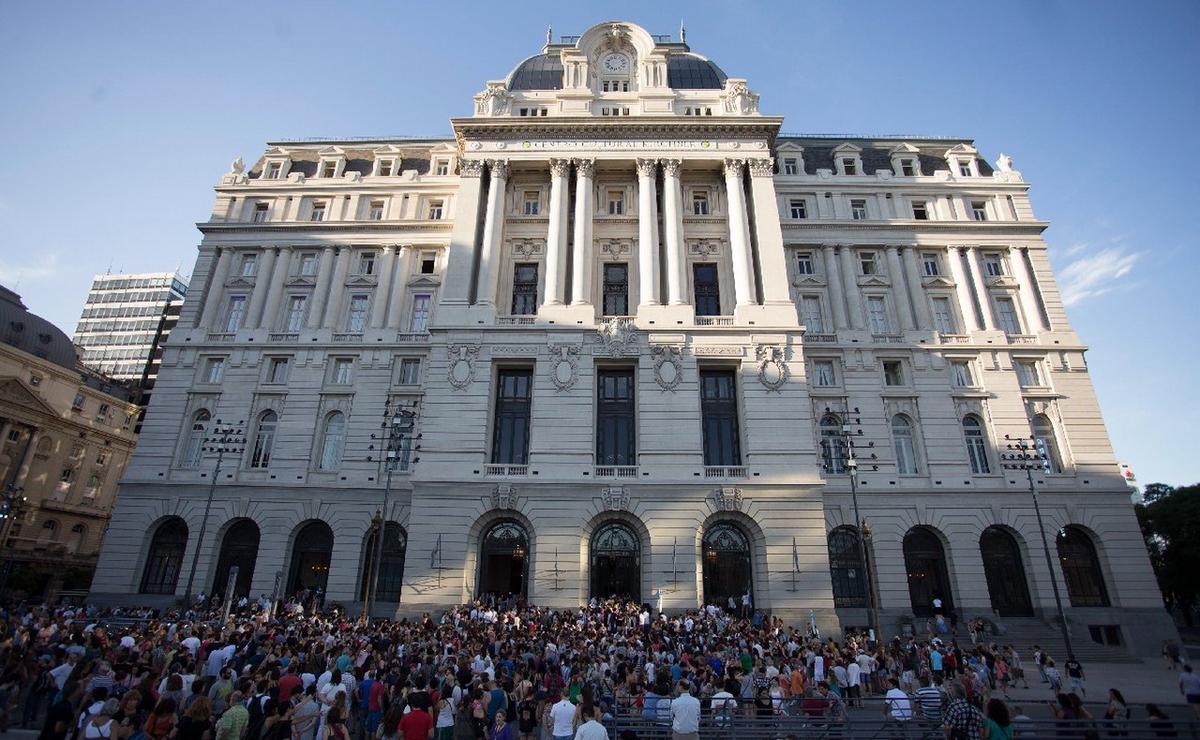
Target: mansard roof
[[820, 150]]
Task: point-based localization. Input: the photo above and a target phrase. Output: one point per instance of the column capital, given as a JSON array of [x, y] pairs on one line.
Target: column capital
[[762, 167], [560, 167], [470, 167], [584, 167], [499, 168], [671, 167], [645, 167], [734, 167]]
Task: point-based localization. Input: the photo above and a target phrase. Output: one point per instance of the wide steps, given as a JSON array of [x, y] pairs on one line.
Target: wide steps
[[1024, 633]]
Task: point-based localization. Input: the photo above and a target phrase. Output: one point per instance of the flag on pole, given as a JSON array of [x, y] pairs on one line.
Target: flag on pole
[[674, 542], [795, 556], [435, 557]]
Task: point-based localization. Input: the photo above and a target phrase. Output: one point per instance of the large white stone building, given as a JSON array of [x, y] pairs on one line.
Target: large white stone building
[[632, 318]]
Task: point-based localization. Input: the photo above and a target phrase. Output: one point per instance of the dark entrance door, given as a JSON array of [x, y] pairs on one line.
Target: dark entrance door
[[310, 557], [1005, 573], [504, 560], [239, 547], [616, 563], [928, 577], [726, 552]]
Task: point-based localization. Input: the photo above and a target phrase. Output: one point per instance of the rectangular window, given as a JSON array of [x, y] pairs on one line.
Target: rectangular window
[[525, 289], [804, 263], [532, 203], [343, 371], [435, 210], [877, 308], [931, 263], [616, 289], [858, 210], [791, 166], [235, 312], [961, 374], [308, 264], [249, 263], [277, 370], [366, 263], [385, 167], [979, 210], [428, 263], [410, 371], [920, 210], [893, 372], [616, 202], [376, 212], [357, 319], [719, 417], [814, 321], [1006, 314], [296, 311], [943, 316], [214, 369], [441, 167], [1028, 375], [866, 262], [318, 211], [699, 203], [993, 265], [328, 169], [274, 170], [420, 313], [798, 208], [616, 429], [706, 289], [907, 168], [849, 167], [102, 412], [77, 403], [261, 212], [510, 432], [964, 167], [822, 374]]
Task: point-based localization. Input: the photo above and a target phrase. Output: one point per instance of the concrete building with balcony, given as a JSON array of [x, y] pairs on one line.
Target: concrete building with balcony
[[633, 319]]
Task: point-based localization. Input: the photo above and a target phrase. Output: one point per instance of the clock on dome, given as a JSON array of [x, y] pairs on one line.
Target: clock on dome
[[615, 63]]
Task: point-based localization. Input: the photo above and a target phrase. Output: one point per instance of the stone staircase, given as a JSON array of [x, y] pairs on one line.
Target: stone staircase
[[1025, 632]]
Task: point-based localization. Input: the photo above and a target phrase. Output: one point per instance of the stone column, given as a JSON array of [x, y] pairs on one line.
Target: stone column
[[966, 304], [900, 289], [27, 457], [216, 288], [455, 291], [283, 263], [321, 291], [384, 288], [336, 288], [1029, 304], [673, 230], [833, 278], [850, 281], [581, 253], [401, 270], [493, 231], [647, 236], [772, 258], [739, 233], [262, 284], [556, 234], [981, 292], [917, 290]]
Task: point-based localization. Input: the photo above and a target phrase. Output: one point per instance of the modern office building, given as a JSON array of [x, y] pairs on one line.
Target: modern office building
[[629, 321]]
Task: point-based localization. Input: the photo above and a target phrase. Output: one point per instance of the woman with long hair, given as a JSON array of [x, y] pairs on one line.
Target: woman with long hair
[[998, 724], [161, 721], [196, 723]]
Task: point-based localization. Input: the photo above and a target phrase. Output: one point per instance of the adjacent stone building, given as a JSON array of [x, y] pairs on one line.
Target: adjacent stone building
[[632, 322]]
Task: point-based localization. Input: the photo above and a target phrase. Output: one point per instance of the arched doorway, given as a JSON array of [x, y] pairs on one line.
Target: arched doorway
[[727, 571], [165, 559], [616, 562], [311, 551], [1081, 568], [239, 547], [846, 568], [504, 560], [928, 577], [391, 565], [1005, 573]]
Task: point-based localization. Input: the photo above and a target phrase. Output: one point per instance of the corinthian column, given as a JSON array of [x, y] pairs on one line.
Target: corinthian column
[[673, 230], [493, 228], [647, 241], [262, 283], [916, 289], [556, 235], [899, 288], [216, 288], [833, 278], [739, 232], [337, 288], [850, 281], [387, 260], [966, 305], [981, 292], [581, 254]]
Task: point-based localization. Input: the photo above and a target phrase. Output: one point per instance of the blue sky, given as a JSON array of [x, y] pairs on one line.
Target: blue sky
[[119, 117]]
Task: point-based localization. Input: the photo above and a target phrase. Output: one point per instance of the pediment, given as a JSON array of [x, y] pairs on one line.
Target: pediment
[[1002, 281], [277, 151], [872, 281], [789, 146], [239, 282], [443, 147], [390, 150], [847, 148], [358, 280], [903, 148], [806, 280], [13, 391], [938, 281], [425, 280], [300, 281], [331, 151], [962, 149]]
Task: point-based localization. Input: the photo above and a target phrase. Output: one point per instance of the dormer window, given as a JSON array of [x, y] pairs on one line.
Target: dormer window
[[849, 166], [908, 168], [441, 167], [274, 170], [847, 158], [385, 167], [791, 166], [964, 168], [329, 169]]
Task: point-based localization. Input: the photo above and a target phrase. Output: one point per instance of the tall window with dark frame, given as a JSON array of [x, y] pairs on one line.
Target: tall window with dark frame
[[707, 298], [514, 397], [525, 289], [616, 430], [616, 289], [719, 413]]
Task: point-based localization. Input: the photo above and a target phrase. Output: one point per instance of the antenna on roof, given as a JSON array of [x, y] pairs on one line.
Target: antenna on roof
[[682, 32]]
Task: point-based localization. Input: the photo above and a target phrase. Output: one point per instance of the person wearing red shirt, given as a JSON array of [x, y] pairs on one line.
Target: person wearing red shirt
[[289, 684], [416, 725]]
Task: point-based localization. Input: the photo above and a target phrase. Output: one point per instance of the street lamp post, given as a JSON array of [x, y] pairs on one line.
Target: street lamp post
[[223, 439], [1029, 454], [11, 504], [396, 435], [846, 438]]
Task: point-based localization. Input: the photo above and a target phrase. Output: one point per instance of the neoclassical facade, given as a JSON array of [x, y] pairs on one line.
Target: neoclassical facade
[[629, 321]]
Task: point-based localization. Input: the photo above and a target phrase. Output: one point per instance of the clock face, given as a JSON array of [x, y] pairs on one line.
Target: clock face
[[615, 63]]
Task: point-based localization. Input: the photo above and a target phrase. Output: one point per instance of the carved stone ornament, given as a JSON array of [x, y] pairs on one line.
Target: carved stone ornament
[[762, 167], [560, 167], [460, 364], [616, 248], [527, 248], [470, 167], [493, 101], [739, 99], [727, 499], [646, 167], [772, 369], [499, 168], [584, 167], [671, 167], [238, 166], [1004, 163], [668, 367], [615, 498], [564, 366], [734, 167], [618, 335], [703, 247], [504, 497]]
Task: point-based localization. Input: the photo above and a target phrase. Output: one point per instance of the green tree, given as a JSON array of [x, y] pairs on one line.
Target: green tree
[[1170, 522]]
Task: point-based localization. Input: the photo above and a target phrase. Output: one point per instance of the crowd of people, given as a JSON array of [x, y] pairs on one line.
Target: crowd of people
[[499, 671]]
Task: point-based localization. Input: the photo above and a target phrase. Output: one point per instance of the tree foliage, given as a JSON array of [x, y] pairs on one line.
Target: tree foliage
[[1170, 522]]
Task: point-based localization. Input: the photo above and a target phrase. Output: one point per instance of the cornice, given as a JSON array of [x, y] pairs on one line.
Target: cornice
[[634, 127], [210, 227], [991, 228]]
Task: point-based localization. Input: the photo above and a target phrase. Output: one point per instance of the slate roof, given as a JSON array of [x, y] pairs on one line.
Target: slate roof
[[876, 153], [538, 72], [693, 72], [33, 334]]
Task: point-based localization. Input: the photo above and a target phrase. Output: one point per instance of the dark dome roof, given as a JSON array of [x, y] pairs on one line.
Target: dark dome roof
[[538, 72], [33, 334], [693, 72]]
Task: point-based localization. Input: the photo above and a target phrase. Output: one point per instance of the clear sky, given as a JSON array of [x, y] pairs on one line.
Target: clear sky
[[118, 118]]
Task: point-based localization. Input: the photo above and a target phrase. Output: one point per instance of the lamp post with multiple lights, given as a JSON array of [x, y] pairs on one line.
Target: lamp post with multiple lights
[[223, 439]]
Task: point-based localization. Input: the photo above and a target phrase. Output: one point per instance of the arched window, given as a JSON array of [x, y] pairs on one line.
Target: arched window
[[727, 574], [312, 548], [1081, 568], [78, 535], [332, 438], [847, 569], [49, 530], [906, 448], [616, 567], [1005, 573], [833, 453], [193, 449], [239, 547], [928, 576], [391, 565], [504, 560], [1045, 442], [264, 439], [161, 573], [976, 445]]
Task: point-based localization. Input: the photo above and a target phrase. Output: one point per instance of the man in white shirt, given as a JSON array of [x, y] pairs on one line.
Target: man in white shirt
[[591, 729], [563, 716], [192, 643], [685, 714], [896, 703]]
